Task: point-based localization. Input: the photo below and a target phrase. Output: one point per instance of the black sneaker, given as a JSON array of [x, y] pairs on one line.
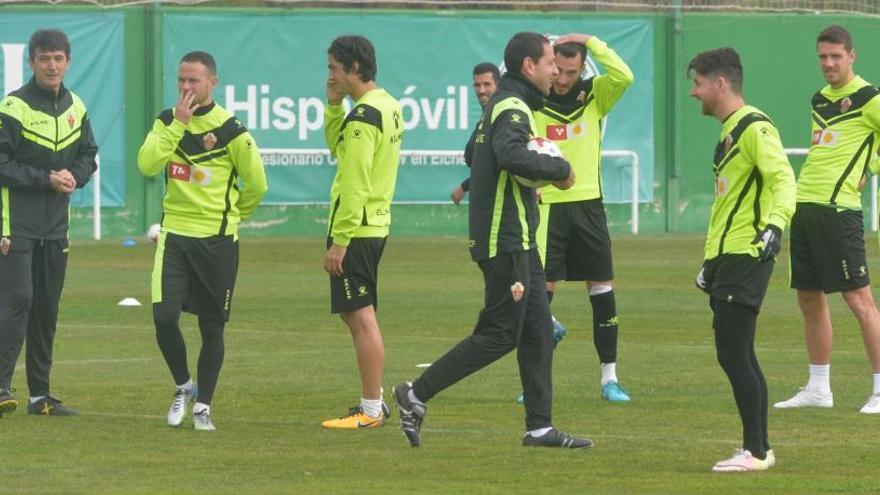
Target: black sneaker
[[50, 406], [412, 413], [556, 438], [8, 403]]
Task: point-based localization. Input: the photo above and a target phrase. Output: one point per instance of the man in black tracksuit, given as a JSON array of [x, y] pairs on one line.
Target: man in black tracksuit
[[47, 150], [503, 219]]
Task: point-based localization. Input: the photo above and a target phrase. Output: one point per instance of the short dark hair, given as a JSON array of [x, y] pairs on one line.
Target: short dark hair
[[203, 58], [48, 40], [521, 46], [571, 50], [485, 67], [350, 49], [720, 62], [836, 35]]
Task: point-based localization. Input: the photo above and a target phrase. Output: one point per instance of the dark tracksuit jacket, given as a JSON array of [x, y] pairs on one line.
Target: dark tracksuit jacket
[[503, 219], [39, 132]]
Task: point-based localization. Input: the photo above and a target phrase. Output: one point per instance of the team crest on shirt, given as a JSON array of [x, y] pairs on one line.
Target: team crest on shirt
[[517, 290], [728, 143], [845, 104], [209, 140], [582, 96], [4, 246], [70, 119]]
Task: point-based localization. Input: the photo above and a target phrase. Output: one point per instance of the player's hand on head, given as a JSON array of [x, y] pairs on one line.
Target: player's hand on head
[[771, 236], [573, 38]]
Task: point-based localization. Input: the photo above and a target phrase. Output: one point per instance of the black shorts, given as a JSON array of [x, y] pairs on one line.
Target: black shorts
[[196, 272], [738, 278], [574, 242], [356, 288], [828, 249]]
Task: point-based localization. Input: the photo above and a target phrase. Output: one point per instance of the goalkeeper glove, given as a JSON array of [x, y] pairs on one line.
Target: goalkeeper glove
[[700, 281], [771, 236]]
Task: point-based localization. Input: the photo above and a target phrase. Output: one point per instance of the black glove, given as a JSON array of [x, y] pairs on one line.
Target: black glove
[[771, 236]]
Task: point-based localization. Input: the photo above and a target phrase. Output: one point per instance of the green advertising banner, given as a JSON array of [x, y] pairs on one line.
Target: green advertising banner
[[95, 74], [273, 68]]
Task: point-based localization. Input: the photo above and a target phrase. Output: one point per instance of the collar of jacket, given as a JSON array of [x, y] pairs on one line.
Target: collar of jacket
[[518, 84], [205, 109], [45, 94], [568, 102]]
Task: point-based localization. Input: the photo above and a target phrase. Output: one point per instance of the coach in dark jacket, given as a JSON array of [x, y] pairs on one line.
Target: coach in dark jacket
[[503, 219], [47, 151]]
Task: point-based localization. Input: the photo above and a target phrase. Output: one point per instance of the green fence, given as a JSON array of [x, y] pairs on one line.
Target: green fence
[[778, 51]]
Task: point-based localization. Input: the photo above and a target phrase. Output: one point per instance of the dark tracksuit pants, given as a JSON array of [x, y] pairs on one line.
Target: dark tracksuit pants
[[506, 323], [31, 279]]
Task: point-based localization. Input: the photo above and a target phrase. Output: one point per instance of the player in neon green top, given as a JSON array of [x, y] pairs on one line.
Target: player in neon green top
[[573, 232], [366, 143], [827, 232], [214, 177], [754, 199]]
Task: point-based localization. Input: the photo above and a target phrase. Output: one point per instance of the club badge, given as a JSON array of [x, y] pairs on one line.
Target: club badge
[[4, 246], [71, 119], [209, 140], [845, 105], [517, 290]]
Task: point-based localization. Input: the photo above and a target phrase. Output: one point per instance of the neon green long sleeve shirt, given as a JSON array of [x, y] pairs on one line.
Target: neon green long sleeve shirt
[[754, 184], [213, 169], [366, 144]]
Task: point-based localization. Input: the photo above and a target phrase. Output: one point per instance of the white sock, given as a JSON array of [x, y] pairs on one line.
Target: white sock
[[876, 383], [609, 373], [820, 378], [540, 432], [372, 407], [187, 386], [38, 398], [198, 408]]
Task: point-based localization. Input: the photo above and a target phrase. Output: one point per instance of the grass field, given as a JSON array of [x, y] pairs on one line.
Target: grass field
[[290, 364]]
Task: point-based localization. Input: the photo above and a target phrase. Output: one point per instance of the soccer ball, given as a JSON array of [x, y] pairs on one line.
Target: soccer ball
[[153, 232], [544, 147]]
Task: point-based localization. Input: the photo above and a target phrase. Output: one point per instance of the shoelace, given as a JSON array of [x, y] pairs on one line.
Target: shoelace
[[203, 416], [179, 400], [354, 411]]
